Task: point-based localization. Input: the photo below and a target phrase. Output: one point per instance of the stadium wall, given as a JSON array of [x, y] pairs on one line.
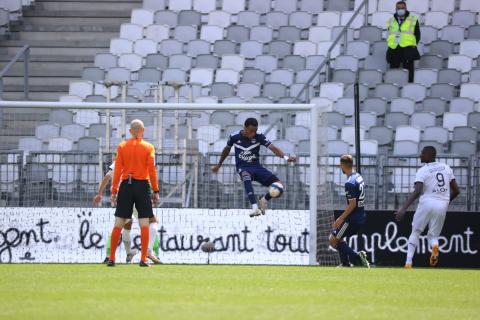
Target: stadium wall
[[78, 235]]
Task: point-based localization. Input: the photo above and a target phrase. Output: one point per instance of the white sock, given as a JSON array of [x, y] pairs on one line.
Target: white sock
[[412, 246], [254, 207], [127, 241], [153, 235], [433, 241]]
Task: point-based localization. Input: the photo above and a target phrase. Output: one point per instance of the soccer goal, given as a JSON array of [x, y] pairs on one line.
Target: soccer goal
[[188, 138]]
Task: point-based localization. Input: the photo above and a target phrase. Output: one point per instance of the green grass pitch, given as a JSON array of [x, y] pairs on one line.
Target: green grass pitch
[[235, 292]]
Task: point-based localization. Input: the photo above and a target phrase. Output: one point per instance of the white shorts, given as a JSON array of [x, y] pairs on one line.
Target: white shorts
[[430, 213]]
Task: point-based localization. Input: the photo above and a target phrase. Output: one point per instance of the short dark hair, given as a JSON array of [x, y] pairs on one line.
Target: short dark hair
[[431, 149], [347, 160], [251, 122], [401, 2]]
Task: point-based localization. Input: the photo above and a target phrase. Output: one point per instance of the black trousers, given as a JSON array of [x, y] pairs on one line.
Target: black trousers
[[407, 64]]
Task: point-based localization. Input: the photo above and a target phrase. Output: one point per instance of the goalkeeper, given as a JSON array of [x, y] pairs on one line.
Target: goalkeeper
[[247, 147]]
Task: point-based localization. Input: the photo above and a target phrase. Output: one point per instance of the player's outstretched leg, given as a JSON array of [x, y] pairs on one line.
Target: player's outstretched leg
[[347, 254], [127, 241], [151, 241], [275, 190], [412, 246], [247, 183]]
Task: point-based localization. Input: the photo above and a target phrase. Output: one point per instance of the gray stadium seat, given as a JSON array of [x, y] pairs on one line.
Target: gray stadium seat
[[359, 49], [465, 133], [423, 119], [289, 33], [207, 61], [295, 63], [377, 105], [189, 18], [280, 48], [414, 91], [286, 6], [451, 76], [430, 61], [474, 32], [431, 143], [238, 33], [455, 34], [105, 60], [438, 106], [396, 76], [426, 77], [370, 34], [474, 119], [170, 46], [274, 91], [442, 90], [464, 148], [97, 130], [221, 47], [251, 49], [72, 131], [266, 63], [346, 62], [198, 47], [387, 91], [405, 148], [185, 34], [344, 76], [395, 119], [441, 48], [300, 19], [156, 61], [405, 105], [462, 104], [463, 18], [248, 18], [204, 6], [437, 134], [383, 135], [180, 61], [338, 5], [60, 117]]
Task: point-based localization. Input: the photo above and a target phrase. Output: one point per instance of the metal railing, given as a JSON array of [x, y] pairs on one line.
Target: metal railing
[[326, 61], [70, 179], [25, 53]]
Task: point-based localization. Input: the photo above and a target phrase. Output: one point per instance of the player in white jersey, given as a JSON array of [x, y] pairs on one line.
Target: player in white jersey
[[126, 238], [436, 186]]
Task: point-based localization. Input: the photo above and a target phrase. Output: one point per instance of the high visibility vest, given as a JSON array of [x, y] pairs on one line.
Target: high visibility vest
[[402, 35]]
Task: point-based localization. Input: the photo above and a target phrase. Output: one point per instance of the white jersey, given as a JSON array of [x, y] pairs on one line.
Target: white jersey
[[436, 178]]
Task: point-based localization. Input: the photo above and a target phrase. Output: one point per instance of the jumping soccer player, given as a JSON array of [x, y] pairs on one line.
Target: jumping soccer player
[[247, 147], [437, 183], [126, 237], [353, 217]]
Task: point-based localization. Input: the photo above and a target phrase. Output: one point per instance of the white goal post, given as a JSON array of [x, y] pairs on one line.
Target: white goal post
[[314, 132]]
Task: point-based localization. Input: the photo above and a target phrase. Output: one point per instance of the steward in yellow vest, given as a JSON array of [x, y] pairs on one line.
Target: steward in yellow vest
[[403, 36]]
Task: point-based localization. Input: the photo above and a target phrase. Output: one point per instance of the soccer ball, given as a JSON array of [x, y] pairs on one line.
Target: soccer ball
[[275, 190]]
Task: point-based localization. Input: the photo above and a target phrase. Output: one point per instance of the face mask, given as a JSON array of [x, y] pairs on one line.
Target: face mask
[[401, 12]]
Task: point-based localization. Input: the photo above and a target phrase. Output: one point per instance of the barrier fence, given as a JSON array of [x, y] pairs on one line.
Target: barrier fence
[[71, 179]]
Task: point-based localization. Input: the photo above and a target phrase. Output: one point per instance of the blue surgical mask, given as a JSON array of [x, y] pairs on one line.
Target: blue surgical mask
[[401, 12]]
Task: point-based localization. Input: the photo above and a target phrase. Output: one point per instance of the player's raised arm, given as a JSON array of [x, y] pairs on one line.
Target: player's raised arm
[[281, 154], [223, 156]]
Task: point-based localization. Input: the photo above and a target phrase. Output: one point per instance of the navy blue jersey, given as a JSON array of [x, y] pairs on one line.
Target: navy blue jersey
[[247, 150], [355, 189]]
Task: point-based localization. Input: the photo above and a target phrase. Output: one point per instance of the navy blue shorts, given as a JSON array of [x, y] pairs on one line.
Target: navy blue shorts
[[347, 229], [259, 174]]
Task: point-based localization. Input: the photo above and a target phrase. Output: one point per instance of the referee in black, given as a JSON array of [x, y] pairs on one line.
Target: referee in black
[[135, 168]]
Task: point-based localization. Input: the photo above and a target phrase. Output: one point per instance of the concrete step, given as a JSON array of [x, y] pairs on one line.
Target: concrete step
[[86, 6], [76, 20], [70, 27], [44, 81], [37, 88], [78, 14], [93, 43], [66, 36], [34, 95], [52, 58], [36, 69], [90, 1], [46, 50]]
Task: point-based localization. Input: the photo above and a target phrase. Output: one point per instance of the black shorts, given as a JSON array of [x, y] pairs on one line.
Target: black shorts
[[347, 229], [137, 193]]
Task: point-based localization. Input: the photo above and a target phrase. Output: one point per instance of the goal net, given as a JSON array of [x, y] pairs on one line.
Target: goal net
[[72, 145]]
